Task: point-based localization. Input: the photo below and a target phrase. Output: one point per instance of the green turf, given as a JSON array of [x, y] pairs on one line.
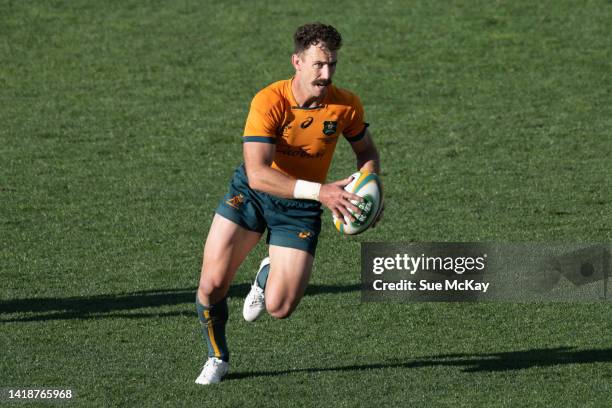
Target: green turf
[[121, 125]]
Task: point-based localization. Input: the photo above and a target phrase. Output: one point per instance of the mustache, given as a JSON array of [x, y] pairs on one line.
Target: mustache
[[323, 82]]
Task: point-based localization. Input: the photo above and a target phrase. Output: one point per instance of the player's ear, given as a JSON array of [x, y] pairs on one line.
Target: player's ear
[[296, 62]]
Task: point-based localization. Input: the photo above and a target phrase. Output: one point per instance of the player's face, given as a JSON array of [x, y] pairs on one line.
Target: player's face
[[315, 68]]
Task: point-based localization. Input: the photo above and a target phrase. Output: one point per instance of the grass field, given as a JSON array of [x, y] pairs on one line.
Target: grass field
[[120, 128]]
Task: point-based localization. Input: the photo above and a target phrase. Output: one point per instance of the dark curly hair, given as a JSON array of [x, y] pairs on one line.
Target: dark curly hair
[[315, 33]]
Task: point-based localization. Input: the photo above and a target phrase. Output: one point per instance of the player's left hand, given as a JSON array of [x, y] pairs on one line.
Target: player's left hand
[[338, 200]]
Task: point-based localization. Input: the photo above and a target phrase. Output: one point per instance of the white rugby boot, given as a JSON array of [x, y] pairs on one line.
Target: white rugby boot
[[254, 303], [213, 371]]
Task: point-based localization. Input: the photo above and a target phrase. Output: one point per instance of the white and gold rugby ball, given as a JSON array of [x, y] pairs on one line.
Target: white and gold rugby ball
[[367, 186]]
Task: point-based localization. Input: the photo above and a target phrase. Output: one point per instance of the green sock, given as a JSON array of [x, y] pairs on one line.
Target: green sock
[[213, 319], [262, 277]]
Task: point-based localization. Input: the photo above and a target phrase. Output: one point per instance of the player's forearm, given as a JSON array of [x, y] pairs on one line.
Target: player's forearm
[[271, 181]]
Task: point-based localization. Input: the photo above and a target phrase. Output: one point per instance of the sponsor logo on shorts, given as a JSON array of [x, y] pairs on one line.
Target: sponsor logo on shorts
[[305, 234], [236, 201]]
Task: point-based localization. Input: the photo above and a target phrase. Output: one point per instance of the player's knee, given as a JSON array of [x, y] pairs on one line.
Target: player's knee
[[212, 286], [280, 309], [281, 313]]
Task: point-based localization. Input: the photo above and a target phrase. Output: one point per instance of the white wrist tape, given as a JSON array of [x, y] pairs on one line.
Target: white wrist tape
[[306, 190]]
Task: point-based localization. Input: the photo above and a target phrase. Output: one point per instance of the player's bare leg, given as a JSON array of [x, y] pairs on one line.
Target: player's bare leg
[[290, 271], [226, 247]]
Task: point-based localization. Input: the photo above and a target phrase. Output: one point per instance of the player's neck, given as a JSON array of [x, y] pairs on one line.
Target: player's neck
[[303, 99]]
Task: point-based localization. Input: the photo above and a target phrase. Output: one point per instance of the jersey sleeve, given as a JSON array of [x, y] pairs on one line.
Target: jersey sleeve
[[356, 128], [262, 121]]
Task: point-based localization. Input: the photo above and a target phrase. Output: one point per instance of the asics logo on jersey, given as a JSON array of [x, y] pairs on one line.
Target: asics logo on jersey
[[305, 234], [236, 201], [307, 122]]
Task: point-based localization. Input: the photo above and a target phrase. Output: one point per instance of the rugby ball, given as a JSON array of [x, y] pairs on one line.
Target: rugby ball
[[367, 186]]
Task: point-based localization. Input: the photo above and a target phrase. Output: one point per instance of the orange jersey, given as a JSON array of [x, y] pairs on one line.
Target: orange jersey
[[305, 138]]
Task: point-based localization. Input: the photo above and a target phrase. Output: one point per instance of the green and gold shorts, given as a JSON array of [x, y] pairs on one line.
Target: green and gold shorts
[[290, 222]]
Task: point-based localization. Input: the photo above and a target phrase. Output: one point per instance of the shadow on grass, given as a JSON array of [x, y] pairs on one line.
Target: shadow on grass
[[121, 305], [469, 363]]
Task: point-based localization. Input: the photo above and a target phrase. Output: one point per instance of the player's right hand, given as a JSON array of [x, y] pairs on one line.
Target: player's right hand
[[338, 200]]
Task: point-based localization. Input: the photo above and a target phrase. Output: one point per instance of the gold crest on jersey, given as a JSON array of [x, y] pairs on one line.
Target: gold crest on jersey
[[330, 127]]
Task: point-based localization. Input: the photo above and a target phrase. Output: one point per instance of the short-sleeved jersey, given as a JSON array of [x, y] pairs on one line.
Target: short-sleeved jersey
[[305, 138]]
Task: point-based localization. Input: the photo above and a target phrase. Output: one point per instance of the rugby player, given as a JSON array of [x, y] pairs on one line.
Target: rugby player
[[288, 143]]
